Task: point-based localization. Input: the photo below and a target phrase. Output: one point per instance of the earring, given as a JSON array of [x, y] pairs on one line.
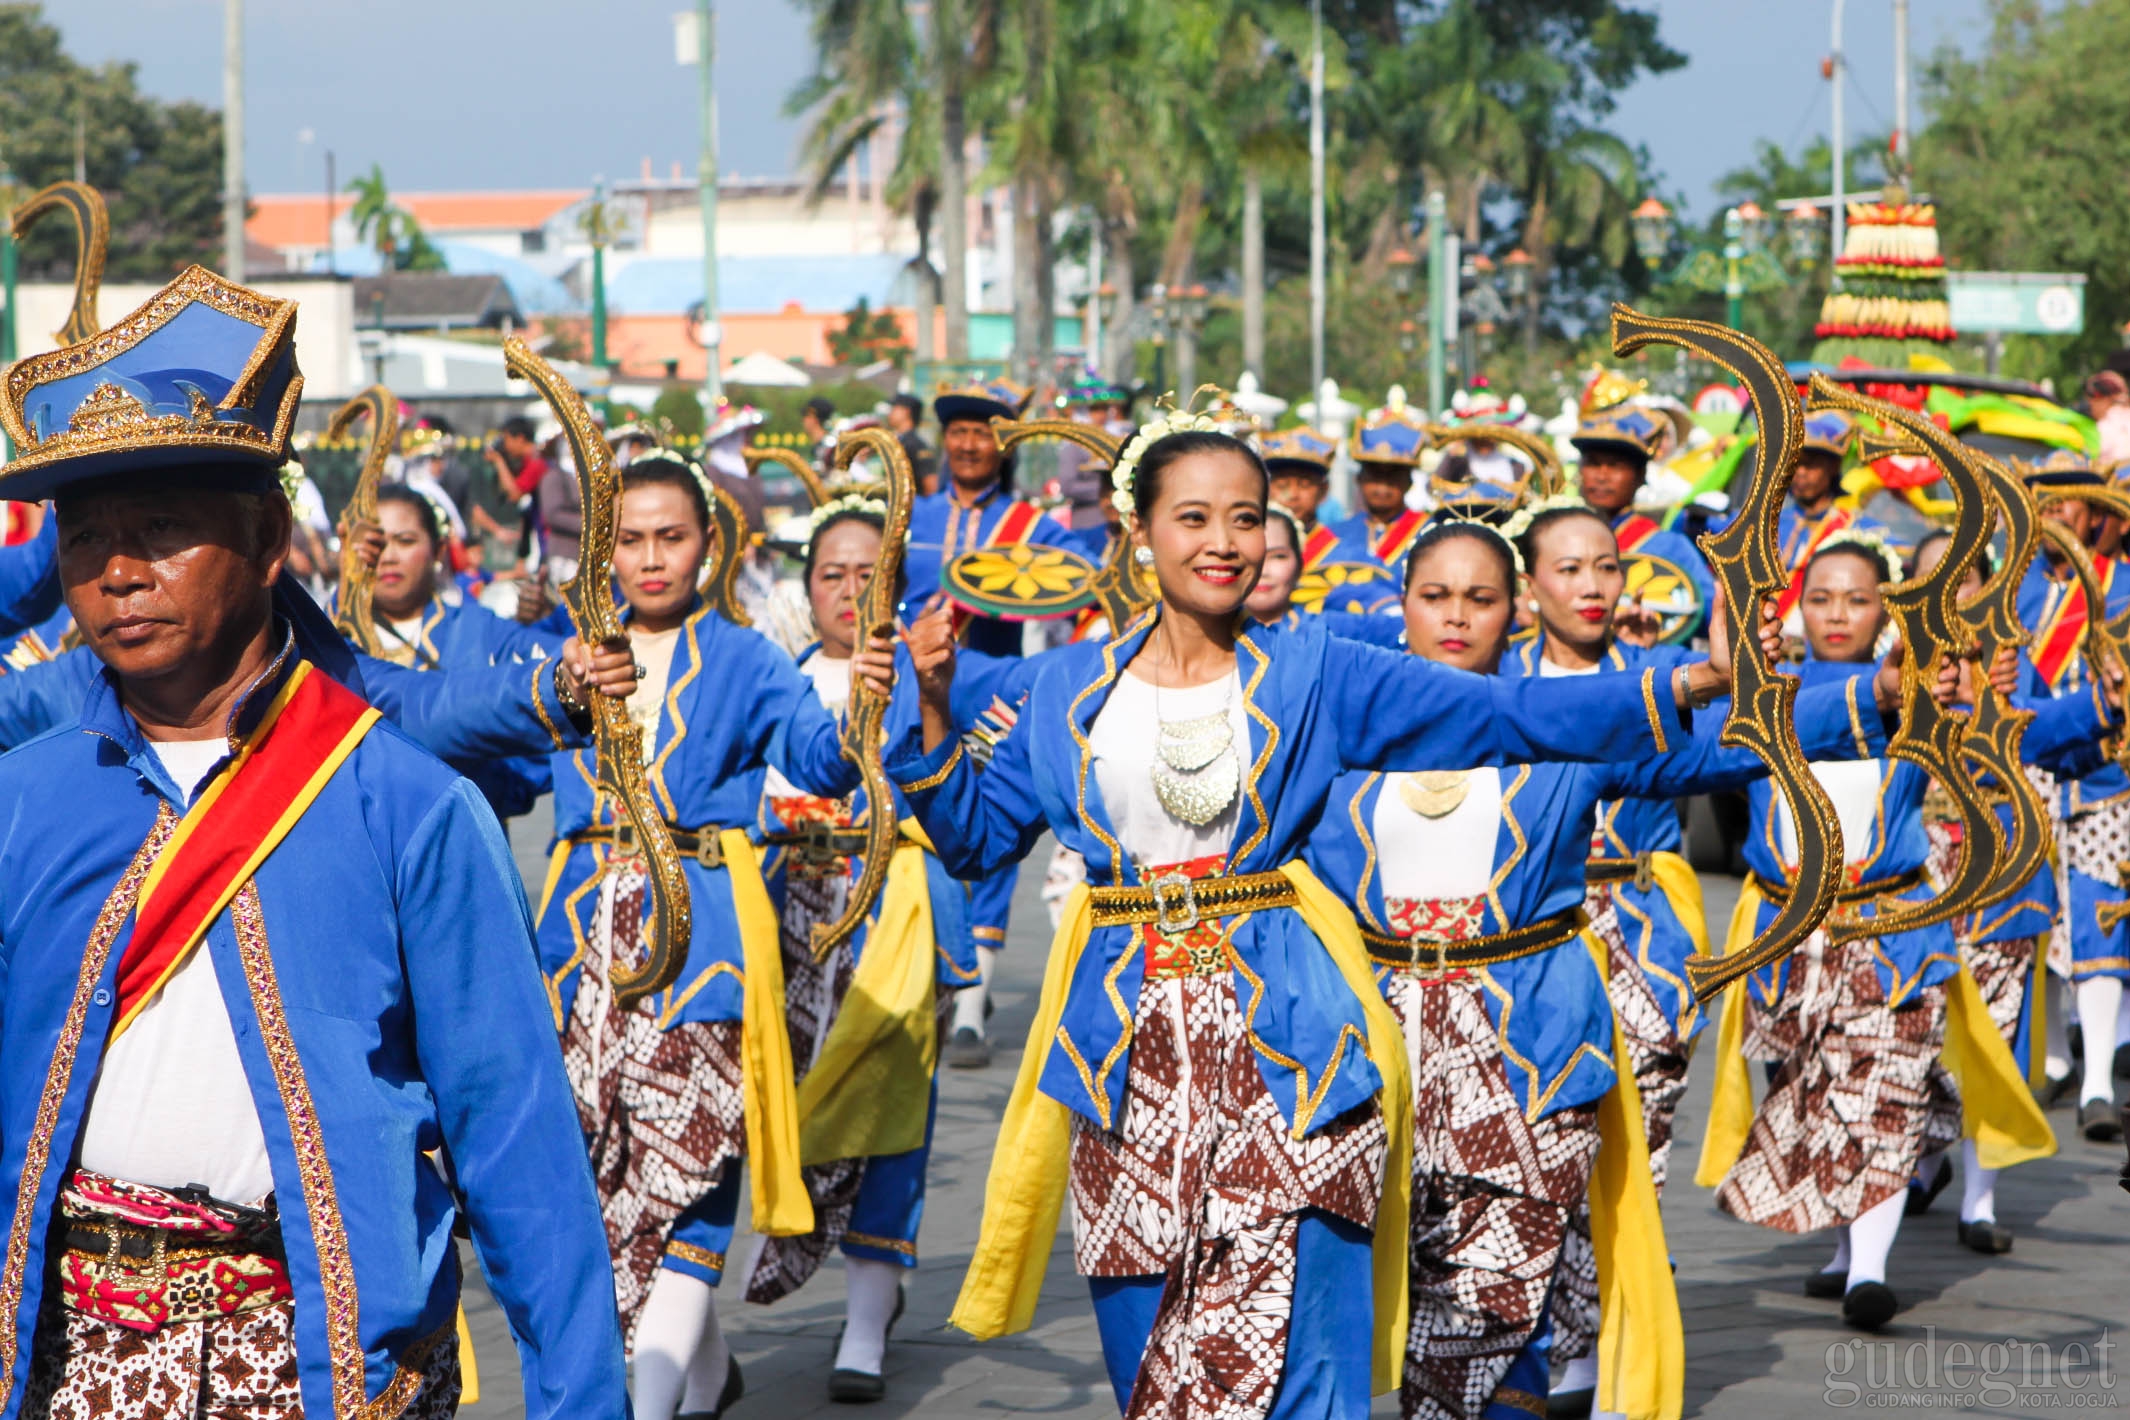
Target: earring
[[1144, 556]]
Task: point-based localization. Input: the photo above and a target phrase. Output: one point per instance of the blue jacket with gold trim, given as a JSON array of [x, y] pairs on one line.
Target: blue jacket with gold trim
[[1319, 705], [388, 1004]]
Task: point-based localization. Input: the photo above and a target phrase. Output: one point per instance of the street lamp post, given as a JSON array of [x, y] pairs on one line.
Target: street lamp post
[[1733, 277], [1439, 299], [1189, 312], [1158, 317]]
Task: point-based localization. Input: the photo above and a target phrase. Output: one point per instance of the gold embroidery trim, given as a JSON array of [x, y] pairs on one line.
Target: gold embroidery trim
[[894, 1245], [938, 776], [547, 722], [1649, 703], [700, 1256]]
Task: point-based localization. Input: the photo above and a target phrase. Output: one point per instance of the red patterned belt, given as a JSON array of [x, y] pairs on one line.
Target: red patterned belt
[[145, 1258], [1178, 911]]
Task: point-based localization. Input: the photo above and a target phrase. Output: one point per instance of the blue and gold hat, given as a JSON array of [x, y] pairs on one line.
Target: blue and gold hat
[[1628, 428], [2063, 468], [981, 400], [1300, 450], [204, 375], [1829, 431], [1390, 435]]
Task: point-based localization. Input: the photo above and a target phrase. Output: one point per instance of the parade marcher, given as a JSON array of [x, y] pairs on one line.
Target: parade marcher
[[1616, 445], [2092, 813], [1470, 890], [228, 1114], [865, 1077], [1222, 1205], [1811, 515], [675, 1089], [1299, 460], [1386, 446]]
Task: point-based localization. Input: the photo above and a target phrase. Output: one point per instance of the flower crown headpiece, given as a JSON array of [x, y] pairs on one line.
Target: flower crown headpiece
[[1520, 521], [1187, 420], [1869, 540], [836, 507]]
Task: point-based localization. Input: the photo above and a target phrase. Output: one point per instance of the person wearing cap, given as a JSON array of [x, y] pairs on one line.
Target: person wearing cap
[[1299, 462], [1616, 446], [1083, 481], [2092, 813], [1811, 515], [240, 1115], [1386, 446]]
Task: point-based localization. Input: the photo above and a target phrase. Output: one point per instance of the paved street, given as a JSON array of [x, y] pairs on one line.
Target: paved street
[[1755, 1345]]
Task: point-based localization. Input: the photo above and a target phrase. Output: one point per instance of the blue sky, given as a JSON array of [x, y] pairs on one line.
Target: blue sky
[[550, 93]]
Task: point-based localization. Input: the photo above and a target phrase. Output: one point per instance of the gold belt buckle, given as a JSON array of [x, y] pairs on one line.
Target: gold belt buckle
[[624, 839], [1645, 872], [709, 849], [157, 1265], [1430, 970], [1174, 925]]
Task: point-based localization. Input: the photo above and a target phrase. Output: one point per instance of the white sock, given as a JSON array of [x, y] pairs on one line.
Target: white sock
[[2099, 998], [969, 1001], [872, 1287], [1580, 1375], [1840, 1261], [678, 1317], [1978, 1187], [1871, 1238], [2056, 1064], [706, 1372]]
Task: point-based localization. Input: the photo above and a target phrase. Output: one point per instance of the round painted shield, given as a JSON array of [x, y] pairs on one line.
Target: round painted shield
[[1346, 586], [1662, 588], [1022, 582]]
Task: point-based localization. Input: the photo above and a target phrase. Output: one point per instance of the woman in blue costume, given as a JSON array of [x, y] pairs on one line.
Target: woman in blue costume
[[1470, 889], [675, 1089], [867, 1203], [1205, 1069]]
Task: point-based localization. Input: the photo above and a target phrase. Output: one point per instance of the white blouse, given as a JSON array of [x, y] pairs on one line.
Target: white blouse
[[1124, 738], [1450, 856]]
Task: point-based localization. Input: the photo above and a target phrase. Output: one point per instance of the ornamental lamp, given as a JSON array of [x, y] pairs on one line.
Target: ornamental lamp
[[1402, 263], [1106, 298], [1752, 224], [1652, 231], [1806, 236], [1516, 274]]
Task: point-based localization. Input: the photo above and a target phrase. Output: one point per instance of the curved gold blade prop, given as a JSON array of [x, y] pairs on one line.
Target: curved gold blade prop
[[1546, 469], [620, 750], [1120, 589], [791, 462], [863, 730], [721, 583], [1927, 610], [1746, 558], [358, 579], [92, 239]]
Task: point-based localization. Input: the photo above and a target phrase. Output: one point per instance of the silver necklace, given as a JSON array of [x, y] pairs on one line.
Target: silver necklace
[[1196, 772]]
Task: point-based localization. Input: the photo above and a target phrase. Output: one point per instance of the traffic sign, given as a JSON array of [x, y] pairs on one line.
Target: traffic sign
[[2017, 302]]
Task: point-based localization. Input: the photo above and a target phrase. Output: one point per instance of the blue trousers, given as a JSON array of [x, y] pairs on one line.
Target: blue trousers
[[1329, 1336]]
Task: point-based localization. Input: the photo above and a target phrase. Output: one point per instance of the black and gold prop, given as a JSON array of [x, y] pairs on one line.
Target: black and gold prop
[[721, 583], [92, 238], [358, 579], [1022, 581], [1119, 586], [864, 728], [1547, 474], [1933, 629], [1746, 558], [619, 743], [1343, 584]]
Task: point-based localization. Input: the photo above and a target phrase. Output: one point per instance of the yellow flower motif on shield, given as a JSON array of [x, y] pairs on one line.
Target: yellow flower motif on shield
[[1316, 587], [1024, 572], [1664, 590]]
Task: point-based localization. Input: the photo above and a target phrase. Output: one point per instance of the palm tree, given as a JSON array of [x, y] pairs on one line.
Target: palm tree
[[377, 220]]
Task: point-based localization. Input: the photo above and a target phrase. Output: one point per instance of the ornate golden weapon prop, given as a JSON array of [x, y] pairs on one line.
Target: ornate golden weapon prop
[[789, 460], [358, 579], [619, 743], [1746, 558], [1546, 468], [721, 584], [863, 730], [1932, 737], [92, 238], [1119, 587]]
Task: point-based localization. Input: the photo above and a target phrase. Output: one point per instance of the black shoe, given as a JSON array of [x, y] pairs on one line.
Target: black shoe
[[1570, 1404], [967, 1050], [2098, 1121], [1986, 1235], [1921, 1196], [735, 1387], [1827, 1286], [849, 1387], [2055, 1089], [2122, 1061], [1869, 1305]]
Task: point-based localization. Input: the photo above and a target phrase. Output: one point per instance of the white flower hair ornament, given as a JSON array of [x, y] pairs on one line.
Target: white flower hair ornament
[[836, 507], [1165, 422], [1520, 521], [1867, 540]]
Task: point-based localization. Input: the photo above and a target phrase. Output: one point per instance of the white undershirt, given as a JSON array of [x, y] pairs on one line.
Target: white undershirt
[[1123, 738], [1547, 670], [172, 1105], [1451, 856], [653, 651], [1853, 785]]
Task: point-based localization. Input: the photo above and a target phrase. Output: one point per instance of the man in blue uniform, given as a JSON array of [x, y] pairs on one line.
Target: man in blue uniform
[[1665, 571], [1386, 447], [272, 1019]]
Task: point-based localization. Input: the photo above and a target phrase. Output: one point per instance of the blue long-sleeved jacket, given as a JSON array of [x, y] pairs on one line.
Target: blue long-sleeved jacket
[[29, 581], [1319, 705], [386, 1002]]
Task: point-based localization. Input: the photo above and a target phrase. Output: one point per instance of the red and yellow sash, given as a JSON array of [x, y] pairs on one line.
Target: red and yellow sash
[[1834, 522], [1317, 546], [1635, 531], [312, 726], [1016, 525], [2059, 641], [1399, 536]]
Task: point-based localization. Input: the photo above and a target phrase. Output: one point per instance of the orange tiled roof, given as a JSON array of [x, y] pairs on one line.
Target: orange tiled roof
[[298, 219]]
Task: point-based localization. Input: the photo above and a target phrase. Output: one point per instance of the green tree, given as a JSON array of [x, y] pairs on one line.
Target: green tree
[[2023, 157], [868, 336], [158, 165], [400, 243]]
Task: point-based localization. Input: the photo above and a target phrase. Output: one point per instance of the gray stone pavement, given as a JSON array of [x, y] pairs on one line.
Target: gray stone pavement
[[1756, 1346]]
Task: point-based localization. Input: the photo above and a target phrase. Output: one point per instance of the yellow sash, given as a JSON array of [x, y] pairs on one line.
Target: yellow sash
[[1641, 1347], [781, 1207], [1026, 1186], [1730, 1107], [1996, 1109], [869, 1090]]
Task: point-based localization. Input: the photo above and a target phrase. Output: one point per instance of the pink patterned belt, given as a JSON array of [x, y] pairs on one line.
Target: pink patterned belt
[[145, 1258]]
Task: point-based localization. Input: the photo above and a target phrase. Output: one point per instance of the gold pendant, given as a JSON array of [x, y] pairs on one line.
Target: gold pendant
[[1433, 793]]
